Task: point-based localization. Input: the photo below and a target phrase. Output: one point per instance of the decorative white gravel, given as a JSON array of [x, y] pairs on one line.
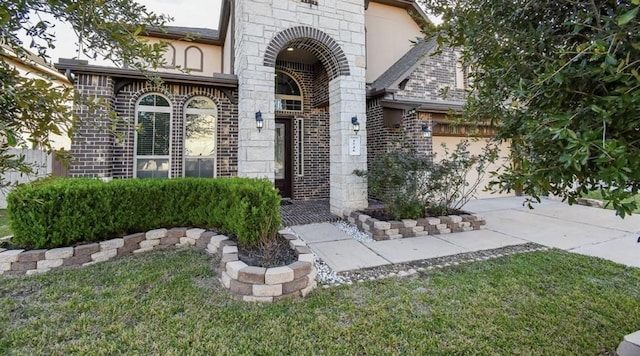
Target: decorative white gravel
[[325, 274], [353, 231]]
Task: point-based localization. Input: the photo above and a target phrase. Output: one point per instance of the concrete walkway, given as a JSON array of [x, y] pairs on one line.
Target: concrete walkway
[[579, 229]]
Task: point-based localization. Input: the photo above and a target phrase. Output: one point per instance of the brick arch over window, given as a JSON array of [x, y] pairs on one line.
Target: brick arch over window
[[325, 48]]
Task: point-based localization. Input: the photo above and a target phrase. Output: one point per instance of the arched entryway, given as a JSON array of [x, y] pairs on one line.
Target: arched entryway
[[316, 88], [308, 65]]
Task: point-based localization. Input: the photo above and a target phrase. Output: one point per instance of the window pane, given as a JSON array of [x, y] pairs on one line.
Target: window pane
[[199, 167], [145, 134], [200, 132], [152, 168], [201, 103], [286, 85], [161, 101], [280, 168], [161, 134], [148, 100]]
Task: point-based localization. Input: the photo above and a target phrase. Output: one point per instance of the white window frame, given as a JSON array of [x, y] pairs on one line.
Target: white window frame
[[290, 97], [159, 109], [215, 133]]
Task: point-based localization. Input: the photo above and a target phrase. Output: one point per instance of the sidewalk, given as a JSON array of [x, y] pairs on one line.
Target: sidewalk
[[579, 229]]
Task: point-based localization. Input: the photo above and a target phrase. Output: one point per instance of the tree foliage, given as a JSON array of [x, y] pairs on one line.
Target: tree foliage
[[32, 105], [560, 78]]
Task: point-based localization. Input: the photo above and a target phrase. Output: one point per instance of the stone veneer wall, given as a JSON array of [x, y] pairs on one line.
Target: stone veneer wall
[[335, 31], [390, 230], [249, 283]]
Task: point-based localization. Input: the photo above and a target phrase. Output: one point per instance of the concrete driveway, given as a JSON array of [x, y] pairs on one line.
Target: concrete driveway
[[580, 229]]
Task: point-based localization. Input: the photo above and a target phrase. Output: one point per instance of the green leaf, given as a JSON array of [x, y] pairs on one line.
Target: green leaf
[[627, 16]]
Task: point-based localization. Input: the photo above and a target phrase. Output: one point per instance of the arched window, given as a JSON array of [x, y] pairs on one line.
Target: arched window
[[200, 115], [152, 137], [288, 94], [193, 59], [169, 57]]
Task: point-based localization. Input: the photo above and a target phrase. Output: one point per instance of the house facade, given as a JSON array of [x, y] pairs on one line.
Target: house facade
[[301, 92]]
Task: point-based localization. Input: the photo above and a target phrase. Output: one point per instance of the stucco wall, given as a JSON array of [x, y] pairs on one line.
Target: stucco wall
[[389, 32], [475, 147], [176, 57]]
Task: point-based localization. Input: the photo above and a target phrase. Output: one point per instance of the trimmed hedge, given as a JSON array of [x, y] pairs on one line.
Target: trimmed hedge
[[67, 211]]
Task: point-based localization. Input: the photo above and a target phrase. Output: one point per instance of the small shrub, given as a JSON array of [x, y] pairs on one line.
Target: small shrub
[[412, 185], [64, 212]]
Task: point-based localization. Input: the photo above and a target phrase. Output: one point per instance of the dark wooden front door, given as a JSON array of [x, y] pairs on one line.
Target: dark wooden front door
[[283, 157]]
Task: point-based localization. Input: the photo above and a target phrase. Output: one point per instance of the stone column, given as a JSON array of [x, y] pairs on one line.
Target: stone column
[[256, 150], [347, 99]]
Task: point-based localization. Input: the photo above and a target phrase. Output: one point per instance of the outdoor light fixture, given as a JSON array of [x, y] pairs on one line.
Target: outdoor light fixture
[[289, 49], [259, 121], [426, 129], [355, 124], [411, 111]]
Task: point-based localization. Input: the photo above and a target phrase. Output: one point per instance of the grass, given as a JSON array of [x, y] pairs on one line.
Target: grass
[[597, 195], [171, 303], [4, 223]]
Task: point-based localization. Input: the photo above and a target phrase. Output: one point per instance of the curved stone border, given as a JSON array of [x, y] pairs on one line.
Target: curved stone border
[[258, 284], [389, 230], [248, 283], [17, 262]]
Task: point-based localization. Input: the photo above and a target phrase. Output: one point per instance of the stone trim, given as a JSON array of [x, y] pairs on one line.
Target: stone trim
[[390, 230], [258, 284], [313, 40]]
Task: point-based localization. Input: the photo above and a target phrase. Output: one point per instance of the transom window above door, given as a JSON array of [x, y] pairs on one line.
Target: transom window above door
[[200, 116], [288, 94]]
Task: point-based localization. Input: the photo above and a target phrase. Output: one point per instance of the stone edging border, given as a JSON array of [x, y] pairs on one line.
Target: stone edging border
[[590, 202], [18, 262], [246, 282], [259, 284], [389, 230]]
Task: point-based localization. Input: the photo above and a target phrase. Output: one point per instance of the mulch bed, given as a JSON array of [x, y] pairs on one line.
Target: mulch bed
[[274, 253]]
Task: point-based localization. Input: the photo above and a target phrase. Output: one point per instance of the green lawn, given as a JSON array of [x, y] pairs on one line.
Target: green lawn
[[598, 196], [551, 303], [4, 223]]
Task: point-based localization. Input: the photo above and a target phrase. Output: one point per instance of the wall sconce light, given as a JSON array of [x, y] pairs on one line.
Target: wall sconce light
[[355, 124], [259, 121], [427, 130]]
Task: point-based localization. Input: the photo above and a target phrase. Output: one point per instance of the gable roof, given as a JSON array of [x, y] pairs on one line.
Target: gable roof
[[197, 34], [400, 70]]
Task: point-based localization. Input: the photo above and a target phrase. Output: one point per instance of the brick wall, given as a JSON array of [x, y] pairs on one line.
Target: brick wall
[[102, 152], [92, 142], [313, 80], [178, 95], [431, 78], [382, 138]]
